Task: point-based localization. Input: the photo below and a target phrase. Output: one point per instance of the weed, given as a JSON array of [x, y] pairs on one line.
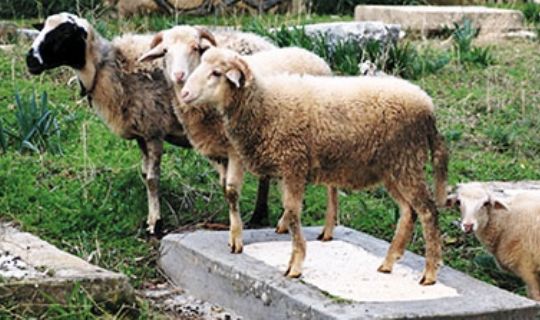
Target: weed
[[531, 11], [35, 128], [464, 51]]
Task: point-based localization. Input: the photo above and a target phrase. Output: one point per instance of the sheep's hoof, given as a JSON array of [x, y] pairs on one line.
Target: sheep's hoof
[[293, 274], [236, 247], [384, 269], [425, 281], [323, 237], [155, 229]]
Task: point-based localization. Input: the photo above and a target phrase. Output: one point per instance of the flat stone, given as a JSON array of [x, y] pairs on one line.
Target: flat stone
[[426, 19], [32, 269], [253, 284]]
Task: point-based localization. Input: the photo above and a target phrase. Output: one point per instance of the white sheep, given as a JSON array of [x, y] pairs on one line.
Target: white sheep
[[507, 225], [181, 48], [350, 132]]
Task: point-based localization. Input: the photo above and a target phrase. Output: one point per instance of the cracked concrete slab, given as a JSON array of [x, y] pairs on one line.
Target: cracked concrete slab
[[200, 262], [31, 270]]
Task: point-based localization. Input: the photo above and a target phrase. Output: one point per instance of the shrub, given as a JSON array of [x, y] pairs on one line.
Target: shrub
[[531, 11]]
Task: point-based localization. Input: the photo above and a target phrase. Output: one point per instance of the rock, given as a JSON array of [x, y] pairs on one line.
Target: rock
[[431, 19], [360, 32], [27, 271]]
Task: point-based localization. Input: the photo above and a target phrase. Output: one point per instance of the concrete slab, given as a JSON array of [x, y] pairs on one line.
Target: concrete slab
[[201, 263], [427, 19], [32, 269]]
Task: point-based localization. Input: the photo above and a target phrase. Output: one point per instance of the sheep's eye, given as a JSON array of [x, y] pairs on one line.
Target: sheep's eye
[[216, 73], [458, 203], [196, 49]]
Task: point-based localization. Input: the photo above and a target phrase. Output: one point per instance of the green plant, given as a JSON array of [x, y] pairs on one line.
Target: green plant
[[3, 137], [35, 128], [531, 11], [464, 51]]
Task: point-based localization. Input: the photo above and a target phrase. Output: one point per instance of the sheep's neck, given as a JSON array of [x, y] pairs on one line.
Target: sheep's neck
[[490, 235], [243, 113], [96, 53]]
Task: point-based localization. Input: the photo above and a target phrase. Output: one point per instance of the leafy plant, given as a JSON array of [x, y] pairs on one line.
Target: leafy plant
[[35, 128], [3, 137], [531, 11], [464, 51]]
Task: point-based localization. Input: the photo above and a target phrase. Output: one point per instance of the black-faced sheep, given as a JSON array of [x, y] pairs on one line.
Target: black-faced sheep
[[349, 132], [508, 226], [134, 99]]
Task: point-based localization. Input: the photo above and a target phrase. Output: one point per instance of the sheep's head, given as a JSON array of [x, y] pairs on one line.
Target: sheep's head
[[182, 47], [476, 204], [220, 73], [62, 41]]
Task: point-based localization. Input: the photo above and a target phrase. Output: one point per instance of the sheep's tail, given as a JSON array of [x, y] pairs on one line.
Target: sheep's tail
[[439, 158]]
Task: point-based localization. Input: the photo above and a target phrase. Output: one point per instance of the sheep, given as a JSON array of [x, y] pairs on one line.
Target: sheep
[[181, 47], [134, 100], [507, 226], [349, 132]]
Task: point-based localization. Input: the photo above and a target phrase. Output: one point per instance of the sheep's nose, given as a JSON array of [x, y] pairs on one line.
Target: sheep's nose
[[184, 95], [179, 76], [467, 227]]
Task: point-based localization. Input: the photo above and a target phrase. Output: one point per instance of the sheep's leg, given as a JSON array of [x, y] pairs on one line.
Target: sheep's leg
[[418, 195], [260, 213], [532, 280], [144, 153], [293, 193], [403, 232], [155, 150], [234, 177], [331, 214]]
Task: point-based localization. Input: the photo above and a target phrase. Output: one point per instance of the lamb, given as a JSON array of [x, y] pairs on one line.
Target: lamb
[[181, 47], [508, 226], [134, 99], [349, 132]]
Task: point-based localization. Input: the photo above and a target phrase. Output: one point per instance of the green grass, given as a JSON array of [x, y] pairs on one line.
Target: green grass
[[90, 199]]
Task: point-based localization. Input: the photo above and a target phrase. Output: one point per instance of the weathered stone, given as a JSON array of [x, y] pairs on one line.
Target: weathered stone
[[359, 32], [201, 263], [46, 271], [426, 19]]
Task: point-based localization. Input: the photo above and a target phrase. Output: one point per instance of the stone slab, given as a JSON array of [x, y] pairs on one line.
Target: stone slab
[[433, 18], [32, 269], [200, 262]]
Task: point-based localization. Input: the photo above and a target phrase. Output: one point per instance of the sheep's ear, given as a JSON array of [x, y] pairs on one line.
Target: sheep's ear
[[156, 49], [498, 204], [240, 74], [207, 38], [38, 26], [234, 76], [451, 200]]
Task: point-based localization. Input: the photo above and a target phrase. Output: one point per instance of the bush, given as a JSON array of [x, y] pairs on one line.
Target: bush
[[43, 8]]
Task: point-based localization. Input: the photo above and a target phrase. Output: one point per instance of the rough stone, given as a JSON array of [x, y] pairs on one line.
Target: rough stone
[[359, 32], [426, 19], [32, 269], [200, 262]]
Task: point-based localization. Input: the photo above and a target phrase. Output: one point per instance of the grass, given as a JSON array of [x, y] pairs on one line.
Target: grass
[[90, 199]]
